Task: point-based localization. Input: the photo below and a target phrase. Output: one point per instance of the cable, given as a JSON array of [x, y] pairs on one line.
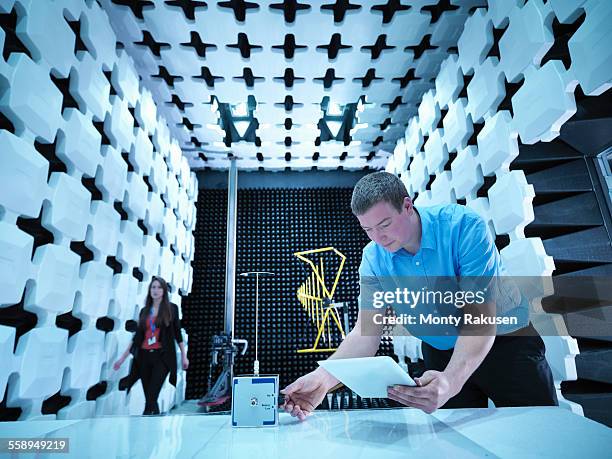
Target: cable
[[257, 273]]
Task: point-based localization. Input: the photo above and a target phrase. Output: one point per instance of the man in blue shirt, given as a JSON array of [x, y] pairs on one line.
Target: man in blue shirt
[[464, 368]]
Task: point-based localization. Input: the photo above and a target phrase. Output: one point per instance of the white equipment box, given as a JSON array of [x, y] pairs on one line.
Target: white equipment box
[[255, 401]]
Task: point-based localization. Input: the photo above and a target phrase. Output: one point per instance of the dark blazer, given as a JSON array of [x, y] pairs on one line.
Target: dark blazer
[[167, 335]]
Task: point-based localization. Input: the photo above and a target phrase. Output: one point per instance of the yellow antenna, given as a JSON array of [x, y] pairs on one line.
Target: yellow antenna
[[316, 298]]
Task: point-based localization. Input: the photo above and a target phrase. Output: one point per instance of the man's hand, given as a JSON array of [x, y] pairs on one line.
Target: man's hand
[[306, 393], [433, 390]]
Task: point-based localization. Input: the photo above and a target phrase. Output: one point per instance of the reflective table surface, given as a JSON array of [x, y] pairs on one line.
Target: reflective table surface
[[385, 433]]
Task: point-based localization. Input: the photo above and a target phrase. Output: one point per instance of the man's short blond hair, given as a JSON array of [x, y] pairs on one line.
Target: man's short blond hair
[[377, 187]]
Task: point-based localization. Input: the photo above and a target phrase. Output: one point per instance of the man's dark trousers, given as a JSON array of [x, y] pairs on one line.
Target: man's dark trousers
[[514, 373]]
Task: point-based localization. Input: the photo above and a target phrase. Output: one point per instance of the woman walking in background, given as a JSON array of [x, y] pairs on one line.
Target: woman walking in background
[[153, 345]]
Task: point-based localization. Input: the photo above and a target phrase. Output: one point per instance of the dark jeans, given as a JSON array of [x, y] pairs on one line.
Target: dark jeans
[[514, 373], [153, 373]]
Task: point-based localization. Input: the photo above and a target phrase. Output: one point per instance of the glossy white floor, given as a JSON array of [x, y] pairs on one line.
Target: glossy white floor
[[506, 432]]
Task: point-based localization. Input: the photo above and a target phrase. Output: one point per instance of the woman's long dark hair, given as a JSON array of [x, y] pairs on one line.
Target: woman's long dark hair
[[164, 313]]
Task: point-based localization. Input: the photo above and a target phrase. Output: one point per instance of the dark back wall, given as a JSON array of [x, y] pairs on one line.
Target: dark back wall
[[272, 225], [282, 179]]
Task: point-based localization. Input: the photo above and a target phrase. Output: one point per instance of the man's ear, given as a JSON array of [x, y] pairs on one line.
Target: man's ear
[[408, 205]]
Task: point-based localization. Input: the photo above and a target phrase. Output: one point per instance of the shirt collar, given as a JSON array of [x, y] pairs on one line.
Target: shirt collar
[[428, 240]]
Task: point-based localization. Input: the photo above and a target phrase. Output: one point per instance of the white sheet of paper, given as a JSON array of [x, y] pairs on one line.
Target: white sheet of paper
[[368, 377]]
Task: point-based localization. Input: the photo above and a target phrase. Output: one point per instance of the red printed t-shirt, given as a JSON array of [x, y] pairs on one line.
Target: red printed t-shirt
[[149, 333]]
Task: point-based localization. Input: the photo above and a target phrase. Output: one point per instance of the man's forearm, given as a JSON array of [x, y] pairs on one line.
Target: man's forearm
[[473, 344], [354, 345], [467, 356]]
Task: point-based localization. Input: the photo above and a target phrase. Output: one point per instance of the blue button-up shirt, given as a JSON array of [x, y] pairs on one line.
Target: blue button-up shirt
[[455, 241]]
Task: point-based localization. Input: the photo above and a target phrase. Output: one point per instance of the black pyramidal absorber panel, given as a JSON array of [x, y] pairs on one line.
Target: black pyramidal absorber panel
[[273, 224]]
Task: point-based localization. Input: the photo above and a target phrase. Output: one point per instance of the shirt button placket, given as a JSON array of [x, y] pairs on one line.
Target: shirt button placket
[[418, 262], [419, 265]]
